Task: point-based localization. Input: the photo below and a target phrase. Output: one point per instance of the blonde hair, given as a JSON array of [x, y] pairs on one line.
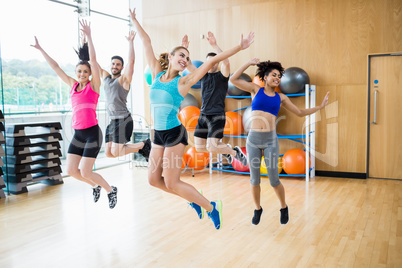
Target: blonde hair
[[164, 57]]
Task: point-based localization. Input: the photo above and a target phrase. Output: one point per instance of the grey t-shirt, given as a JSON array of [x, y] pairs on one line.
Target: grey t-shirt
[[116, 98]]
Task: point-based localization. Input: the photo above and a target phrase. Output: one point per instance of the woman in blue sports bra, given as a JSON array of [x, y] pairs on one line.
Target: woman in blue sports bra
[[262, 139], [167, 91]]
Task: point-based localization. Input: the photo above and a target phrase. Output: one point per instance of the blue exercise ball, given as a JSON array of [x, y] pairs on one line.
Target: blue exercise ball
[[148, 75], [235, 91], [196, 63], [189, 100], [294, 80]]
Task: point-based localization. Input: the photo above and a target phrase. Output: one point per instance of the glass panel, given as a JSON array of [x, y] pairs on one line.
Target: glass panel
[[118, 8]]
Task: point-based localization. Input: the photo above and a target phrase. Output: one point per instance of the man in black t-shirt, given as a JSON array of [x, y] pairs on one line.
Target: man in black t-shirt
[[211, 123]]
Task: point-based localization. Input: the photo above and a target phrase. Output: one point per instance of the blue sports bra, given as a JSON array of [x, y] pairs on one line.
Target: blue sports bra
[[263, 102]]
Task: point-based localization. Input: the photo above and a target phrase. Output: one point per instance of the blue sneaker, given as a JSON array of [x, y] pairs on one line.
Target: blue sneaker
[[198, 208], [216, 214]]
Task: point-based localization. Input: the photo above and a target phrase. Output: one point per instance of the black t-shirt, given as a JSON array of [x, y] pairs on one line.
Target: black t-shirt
[[214, 87]]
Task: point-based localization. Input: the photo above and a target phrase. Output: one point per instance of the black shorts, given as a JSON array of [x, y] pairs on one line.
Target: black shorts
[[171, 137], [210, 126], [119, 130], [86, 142]]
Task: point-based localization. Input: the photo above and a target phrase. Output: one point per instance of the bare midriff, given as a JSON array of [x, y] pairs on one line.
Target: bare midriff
[[263, 121]]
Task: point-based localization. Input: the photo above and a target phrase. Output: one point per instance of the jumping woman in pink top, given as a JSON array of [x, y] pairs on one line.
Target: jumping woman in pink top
[[87, 140]]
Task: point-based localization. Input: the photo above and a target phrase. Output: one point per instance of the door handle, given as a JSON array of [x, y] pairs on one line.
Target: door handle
[[375, 107]]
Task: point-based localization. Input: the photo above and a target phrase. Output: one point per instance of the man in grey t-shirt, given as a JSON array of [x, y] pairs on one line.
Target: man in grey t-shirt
[[117, 87]]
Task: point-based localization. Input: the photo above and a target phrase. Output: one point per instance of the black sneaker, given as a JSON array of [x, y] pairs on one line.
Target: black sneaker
[[146, 149], [96, 192], [112, 197], [284, 215], [240, 155], [228, 157], [257, 216]]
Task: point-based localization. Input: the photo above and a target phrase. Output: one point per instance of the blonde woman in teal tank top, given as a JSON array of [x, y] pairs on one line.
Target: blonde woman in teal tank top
[[167, 92]]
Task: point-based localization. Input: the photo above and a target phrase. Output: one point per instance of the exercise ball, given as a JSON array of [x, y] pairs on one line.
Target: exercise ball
[[294, 161], [263, 167], [188, 116], [184, 161], [233, 124], [247, 119], [238, 166], [277, 89], [148, 75], [189, 100], [294, 80], [257, 80], [196, 63], [197, 160], [235, 91]]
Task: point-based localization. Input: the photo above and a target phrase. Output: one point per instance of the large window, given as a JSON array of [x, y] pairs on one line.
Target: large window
[[31, 89]]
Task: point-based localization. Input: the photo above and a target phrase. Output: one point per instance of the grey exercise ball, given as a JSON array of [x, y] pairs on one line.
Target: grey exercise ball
[[189, 100], [294, 80], [247, 119], [235, 91]]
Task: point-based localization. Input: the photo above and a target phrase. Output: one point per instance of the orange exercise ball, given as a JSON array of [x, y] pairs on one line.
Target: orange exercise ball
[[277, 89], [188, 116], [184, 161], [294, 161], [263, 167], [196, 159], [257, 81], [234, 124]]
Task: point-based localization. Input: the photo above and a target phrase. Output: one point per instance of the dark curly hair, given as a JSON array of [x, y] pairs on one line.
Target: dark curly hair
[[83, 55], [265, 67]]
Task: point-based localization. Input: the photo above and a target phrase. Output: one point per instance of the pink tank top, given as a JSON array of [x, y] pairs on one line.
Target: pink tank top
[[84, 107]]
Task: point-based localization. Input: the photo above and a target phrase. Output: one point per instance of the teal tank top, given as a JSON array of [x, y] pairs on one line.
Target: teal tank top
[[165, 102]]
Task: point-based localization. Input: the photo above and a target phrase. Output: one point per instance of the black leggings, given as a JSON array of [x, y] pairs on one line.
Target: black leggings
[[86, 142]]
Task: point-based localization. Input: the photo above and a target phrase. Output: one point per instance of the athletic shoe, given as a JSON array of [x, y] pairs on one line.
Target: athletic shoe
[[198, 208], [146, 149], [112, 197], [284, 215], [257, 216], [216, 213], [240, 155], [228, 157], [96, 192]]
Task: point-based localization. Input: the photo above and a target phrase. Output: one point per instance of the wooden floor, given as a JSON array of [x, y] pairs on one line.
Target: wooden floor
[[333, 223]]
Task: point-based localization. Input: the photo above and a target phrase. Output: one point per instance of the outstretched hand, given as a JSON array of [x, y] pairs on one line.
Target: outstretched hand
[[185, 42], [254, 61], [131, 36], [325, 100], [245, 43], [132, 14], [37, 46], [211, 39], [85, 27]]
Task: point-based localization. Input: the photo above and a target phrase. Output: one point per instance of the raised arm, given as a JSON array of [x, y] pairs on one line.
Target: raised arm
[[129, 71], [189, 80], [244, 85], [185, 43], [288, 105], [225, 68], [54, 65], [153, 63], [95, 81]]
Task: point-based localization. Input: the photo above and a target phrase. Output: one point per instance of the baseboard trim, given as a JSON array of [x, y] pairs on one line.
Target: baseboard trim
[[337, 174]]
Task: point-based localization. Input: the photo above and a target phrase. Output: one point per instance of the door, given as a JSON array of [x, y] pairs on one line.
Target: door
[[385, 116]]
